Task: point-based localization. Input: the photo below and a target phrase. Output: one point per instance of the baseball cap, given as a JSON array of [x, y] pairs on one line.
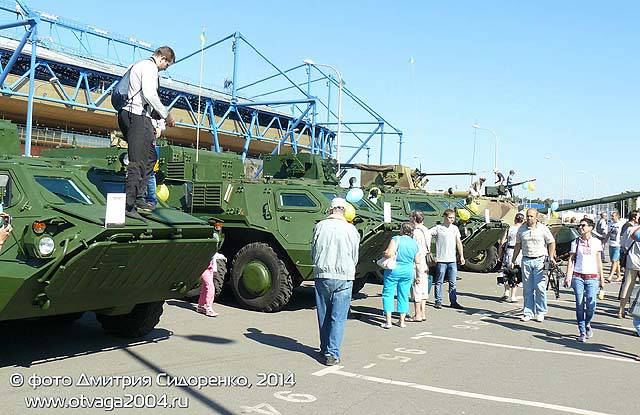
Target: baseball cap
[[338, 202]]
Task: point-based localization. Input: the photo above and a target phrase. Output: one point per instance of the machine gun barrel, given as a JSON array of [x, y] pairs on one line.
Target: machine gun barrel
[[598, 201], [522, 182]]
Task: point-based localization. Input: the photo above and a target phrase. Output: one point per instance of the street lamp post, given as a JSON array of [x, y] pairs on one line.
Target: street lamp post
[[548, 157], [594, 177], [495, 157], [338, 136]]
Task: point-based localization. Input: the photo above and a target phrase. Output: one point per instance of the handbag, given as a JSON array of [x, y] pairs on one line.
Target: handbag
[[387, 263], [428, 257], [634, 307]]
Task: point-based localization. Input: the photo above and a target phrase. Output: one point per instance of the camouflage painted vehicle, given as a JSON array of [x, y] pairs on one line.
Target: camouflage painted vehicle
[[61, 261], [268, 222], [401, 187]]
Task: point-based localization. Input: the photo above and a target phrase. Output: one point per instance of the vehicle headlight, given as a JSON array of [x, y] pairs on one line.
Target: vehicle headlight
[[46, 246]]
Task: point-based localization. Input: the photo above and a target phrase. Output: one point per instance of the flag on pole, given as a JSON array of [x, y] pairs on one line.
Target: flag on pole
[[203, 38]]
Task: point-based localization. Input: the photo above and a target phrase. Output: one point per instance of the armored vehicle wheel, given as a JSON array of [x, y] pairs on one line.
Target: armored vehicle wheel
[[139, 322], [358, 285], [259, 278], [485, 261]]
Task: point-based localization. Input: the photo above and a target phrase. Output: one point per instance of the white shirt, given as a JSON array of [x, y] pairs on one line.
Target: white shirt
[[633, 255], [534, 241], [143, 89], [614, 232], [512, 234], [586, 257], [446, 238]]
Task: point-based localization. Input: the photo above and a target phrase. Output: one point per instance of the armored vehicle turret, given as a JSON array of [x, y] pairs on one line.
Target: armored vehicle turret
[[61, 260], [403, 189]]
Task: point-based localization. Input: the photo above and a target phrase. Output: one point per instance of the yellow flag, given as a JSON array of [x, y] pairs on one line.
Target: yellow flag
[[202, 37]]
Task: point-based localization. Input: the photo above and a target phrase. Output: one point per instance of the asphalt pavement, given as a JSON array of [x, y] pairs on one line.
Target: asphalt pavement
[[481, 360]]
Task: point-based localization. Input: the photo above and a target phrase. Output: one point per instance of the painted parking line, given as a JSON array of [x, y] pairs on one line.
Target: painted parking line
[[337, 370], [528, 349]]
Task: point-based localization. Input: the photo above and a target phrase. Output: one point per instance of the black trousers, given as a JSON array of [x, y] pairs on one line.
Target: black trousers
[[139, 134]]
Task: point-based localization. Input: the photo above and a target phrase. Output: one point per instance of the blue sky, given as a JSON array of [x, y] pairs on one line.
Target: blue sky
[[550, 78]]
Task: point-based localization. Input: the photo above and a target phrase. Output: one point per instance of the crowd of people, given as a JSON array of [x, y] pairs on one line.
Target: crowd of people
[[528, 250]]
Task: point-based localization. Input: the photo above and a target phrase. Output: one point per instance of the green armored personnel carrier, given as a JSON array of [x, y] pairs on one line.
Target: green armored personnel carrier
[[268, 222], [60, 260], [401, 187]]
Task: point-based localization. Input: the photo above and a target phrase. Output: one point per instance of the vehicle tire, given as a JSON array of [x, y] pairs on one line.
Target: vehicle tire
[[358, 285], [218, 282], [260, 280], [139, 322], [485, 261]]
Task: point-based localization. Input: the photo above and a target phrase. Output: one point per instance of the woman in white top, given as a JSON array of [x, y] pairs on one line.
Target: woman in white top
[[507, 244], [584, 274], [420, 287]]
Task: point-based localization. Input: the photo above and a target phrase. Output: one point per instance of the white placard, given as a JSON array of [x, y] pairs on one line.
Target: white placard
[[487, 216], [386, 210], [116, 205]]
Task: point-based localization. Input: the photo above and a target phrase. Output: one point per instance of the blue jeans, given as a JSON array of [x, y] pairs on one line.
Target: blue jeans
[[151, 190], [586, 293], [332, 306], [403, 285], [636, 324], [451, 270], [534, 286]]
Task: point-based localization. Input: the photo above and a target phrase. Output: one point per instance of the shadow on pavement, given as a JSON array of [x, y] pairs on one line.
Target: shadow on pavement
[[34, 342], [282, 342], [199, 396], [555, 337]]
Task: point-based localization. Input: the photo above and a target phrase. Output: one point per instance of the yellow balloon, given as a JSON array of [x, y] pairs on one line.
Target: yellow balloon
[[532, 186], [349, 212], [463, 214], [474, 207], [162, 192], [554, 215]]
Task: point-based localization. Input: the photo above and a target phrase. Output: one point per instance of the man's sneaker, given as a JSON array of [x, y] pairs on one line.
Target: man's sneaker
[[457, 306], [133, 214], [582, 338], [525, 318], [331, 361], [144, 206], [437, 305], [589, 332], [540, 318]]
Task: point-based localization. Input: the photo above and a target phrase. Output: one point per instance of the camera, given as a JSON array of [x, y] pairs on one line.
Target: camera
[[510, 276], [6, 220]]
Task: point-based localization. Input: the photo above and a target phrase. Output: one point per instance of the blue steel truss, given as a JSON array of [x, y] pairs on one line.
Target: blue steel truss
[[255, 115]]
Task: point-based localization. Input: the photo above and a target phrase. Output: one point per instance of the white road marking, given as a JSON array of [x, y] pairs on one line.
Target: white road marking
[[529, 349], [337, 370], [369, 366]]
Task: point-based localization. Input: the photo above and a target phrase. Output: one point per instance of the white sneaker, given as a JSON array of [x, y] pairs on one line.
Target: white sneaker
[[540, 318], [525, 318]]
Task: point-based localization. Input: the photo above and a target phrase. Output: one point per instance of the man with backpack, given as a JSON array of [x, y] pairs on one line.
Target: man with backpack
[[137, 102]]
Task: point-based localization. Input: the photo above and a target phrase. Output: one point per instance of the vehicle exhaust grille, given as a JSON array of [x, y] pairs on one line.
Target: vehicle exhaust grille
[[206, 195]]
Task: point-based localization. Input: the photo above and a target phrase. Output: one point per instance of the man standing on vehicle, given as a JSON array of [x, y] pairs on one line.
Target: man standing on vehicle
[[334, 251], [537, 244], [448, 242], [134, 119]]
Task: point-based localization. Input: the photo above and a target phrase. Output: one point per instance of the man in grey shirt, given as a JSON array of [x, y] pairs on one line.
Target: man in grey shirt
[[134, 119], [536, 242], [334, 251], [448, 243]]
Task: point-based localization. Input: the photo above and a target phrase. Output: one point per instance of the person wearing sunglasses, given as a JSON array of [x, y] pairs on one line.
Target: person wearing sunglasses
[[585, 276]]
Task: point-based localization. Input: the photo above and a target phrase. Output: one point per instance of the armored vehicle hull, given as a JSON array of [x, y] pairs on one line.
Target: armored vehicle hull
[[268, 223], [60, 259]]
